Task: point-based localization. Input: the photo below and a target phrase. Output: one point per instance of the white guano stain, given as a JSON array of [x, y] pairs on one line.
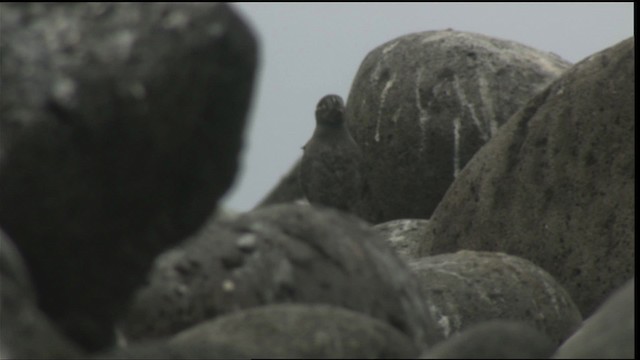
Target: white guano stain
[[463, 100], [487, 104], [441, 319], [456, 146], [383, 98], [390, 47], [396, 115], [423, 116]]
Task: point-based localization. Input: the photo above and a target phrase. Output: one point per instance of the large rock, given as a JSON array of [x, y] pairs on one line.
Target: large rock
[[609, 333], [556, 184], [303, 332], [470, 287], [120, 126], [25, 333], [421, 105], [281, 253], [497, 339]]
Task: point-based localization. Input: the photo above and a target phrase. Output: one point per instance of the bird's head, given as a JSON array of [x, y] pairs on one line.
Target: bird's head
[[330, 111]]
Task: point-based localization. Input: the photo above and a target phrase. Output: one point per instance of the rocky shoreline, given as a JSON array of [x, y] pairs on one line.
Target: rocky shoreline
[[497, 219]]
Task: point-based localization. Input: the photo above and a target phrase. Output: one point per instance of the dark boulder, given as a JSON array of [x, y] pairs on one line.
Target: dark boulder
[[276, 254], [469, 287], [421, 105], [556, 185], [609, 333], [120, 127], [303, 332], [25, 332]]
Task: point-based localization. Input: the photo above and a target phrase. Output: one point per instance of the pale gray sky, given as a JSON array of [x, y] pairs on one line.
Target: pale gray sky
[[309, 50]]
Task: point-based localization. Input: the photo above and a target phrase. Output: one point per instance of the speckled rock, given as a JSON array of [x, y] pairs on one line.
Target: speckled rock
[[120, 125], [404, 236], [421, 105], [469, 287], [556, 184], [25, 333], [281, 253], [497, 339], [303, 332], [609, 333]]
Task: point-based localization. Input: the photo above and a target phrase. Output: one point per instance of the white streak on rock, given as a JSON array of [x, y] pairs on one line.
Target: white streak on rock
[[396, 115], [383, 98], [463, 100], [423, 116], [389, 47], [442, 320], [456, 146], [487, 104]]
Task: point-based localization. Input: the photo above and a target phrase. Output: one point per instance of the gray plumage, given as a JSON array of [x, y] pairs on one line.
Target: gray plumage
[[330, 169]]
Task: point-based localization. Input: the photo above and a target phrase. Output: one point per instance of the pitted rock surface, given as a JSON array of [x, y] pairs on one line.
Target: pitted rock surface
[[421, 105], [276, 254], [469, 287], [556, 185], [496, 339], [120, 125], [609, 333], [404, 236], [303, 332]]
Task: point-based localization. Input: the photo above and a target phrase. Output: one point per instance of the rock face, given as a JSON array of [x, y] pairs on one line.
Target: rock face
[[470, 287], [609, 333], [404, 236], [497, 339], [303, 332], [276, 254], [556, 184], [421, 105], [120, 127], [25, 333]]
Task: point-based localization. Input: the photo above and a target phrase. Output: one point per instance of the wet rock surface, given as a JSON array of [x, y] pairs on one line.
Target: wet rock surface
[[556, 184], [470, 287], [497, 339], [609, 333], [404, 236], [421, 105], [302, 331], [276, 254], [120, 126]]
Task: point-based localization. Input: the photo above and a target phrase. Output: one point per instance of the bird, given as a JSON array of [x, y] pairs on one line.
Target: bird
[[330, 170]]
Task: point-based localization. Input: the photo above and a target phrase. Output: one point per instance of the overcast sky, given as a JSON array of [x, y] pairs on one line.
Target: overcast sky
[[309, 50]]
